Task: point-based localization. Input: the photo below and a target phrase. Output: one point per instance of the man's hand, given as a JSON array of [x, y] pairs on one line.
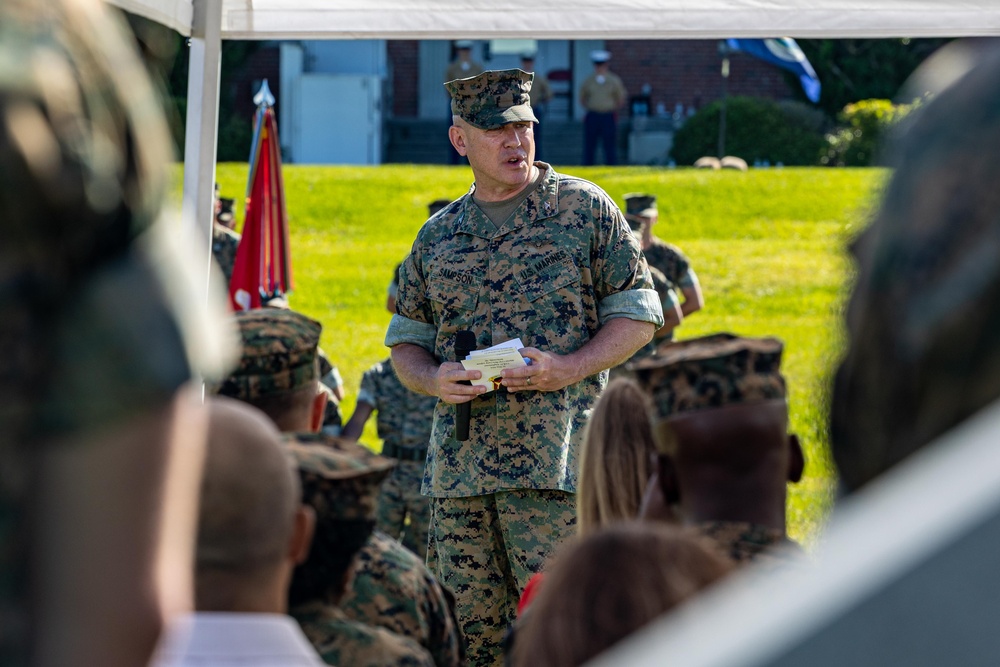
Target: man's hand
[[447, 383], [547, 372]]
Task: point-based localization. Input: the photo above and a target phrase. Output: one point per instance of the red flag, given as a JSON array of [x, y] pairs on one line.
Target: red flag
[[262, 268]]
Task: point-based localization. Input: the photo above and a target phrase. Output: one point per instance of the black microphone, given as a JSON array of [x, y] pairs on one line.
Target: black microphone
[[465, 342]]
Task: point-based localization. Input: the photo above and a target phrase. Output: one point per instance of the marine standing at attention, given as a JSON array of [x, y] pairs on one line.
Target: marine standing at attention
[[602, 95], [527, 253]]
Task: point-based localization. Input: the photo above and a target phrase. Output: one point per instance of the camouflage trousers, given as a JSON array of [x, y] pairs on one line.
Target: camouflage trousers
[[485, 548], [399, 499]]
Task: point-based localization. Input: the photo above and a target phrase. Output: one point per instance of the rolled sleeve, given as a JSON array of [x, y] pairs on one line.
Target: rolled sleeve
[[642, 305], [671, 300], [365, 396], [687, 279], [404, 330]]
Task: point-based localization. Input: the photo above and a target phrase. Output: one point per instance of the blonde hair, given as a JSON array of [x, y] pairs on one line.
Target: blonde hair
[[616, 459]]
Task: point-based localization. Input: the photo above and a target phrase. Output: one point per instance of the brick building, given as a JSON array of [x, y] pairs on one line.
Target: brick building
[[680, 76]]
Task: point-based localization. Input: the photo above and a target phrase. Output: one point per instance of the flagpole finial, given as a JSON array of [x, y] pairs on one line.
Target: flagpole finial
[[264, 96]]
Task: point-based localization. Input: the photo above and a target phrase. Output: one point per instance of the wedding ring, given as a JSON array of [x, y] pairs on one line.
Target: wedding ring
[[529, 381]]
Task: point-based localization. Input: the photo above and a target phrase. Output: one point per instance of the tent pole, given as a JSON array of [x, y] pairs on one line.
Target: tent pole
[[202, 123]]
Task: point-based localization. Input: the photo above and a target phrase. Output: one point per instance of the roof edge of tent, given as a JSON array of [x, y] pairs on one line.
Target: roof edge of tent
[[649, 23], [242, 21], [175, 14], [874, 33]]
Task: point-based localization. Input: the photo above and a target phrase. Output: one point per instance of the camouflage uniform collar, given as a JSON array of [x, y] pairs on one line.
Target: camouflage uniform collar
[[318, 610], [543, 202]]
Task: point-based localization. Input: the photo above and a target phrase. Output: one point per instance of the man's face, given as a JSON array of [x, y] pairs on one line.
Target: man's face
[[501, 158]]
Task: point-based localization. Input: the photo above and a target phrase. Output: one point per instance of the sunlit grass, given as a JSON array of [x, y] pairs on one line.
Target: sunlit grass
[[767, 245]]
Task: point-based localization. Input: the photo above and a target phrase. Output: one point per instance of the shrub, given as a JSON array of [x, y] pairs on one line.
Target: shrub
[[235, 136], [862, 128], [756, 130]]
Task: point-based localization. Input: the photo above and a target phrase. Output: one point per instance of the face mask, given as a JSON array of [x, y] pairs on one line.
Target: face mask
[[600, 78]]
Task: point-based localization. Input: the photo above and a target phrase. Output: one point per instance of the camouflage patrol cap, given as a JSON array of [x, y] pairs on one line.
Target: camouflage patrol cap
[[640, 203], [492, 99], [340, 478], [278, 354], [711, 372]]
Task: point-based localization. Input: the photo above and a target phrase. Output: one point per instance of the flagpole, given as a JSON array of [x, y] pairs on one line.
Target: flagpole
[[724, 51]]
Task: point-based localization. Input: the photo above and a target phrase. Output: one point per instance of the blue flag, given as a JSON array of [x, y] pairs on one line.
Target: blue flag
[[784, 53]]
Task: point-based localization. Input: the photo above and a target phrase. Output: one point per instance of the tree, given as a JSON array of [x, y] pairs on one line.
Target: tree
[[858, 69], [167, 58]]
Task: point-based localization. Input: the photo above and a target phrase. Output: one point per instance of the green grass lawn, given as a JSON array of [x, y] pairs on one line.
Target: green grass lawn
[[767, 245]]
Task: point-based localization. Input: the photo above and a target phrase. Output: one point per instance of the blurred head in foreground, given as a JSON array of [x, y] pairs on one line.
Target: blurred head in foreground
[[608, 585], [253, 528], [923, 321]]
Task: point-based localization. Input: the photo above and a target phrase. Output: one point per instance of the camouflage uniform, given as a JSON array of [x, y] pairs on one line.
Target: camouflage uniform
[[665, 289], [83, 296], [330, 380], [388, 586], [552, 274], [672, 264], [224, 244], [404, 424], [341, 641]]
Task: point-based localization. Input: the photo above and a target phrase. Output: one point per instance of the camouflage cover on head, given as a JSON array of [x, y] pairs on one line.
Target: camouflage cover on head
[[492, 99], [340, 479], [711, 372], [923, 320], [278, 354], [640, 203]]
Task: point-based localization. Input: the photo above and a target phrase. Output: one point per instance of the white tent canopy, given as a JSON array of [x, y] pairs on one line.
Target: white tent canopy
[[582, 19]]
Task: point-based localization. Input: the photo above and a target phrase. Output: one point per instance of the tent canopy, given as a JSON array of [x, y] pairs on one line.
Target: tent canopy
[[581, 19]]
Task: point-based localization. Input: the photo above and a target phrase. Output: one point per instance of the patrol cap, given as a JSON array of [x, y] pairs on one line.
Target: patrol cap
[[600, 56], [528, 55], [225, 215], [711, 372], [463, 44], [340, 478], [640, 203], [436, 206], [492, 99], [278, 354], [636, 224]]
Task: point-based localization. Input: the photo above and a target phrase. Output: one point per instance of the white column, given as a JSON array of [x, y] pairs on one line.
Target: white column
[[202, 124]]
